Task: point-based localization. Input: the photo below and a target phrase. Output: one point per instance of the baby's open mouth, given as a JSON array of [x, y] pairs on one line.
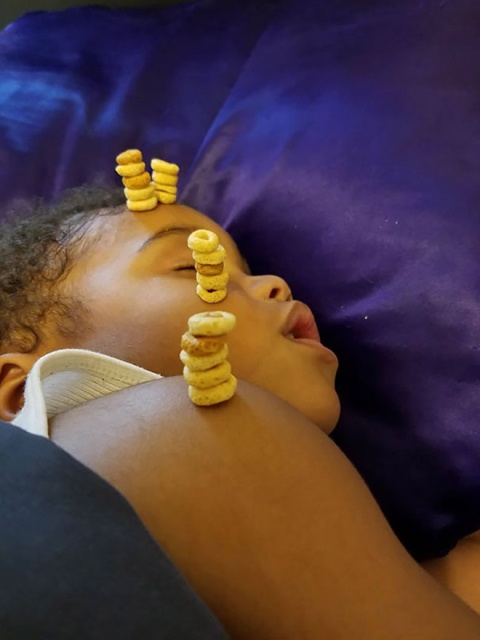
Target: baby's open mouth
[[300, 324]]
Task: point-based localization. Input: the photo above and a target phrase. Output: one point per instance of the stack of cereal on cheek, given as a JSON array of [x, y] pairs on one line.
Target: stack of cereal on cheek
[[204, 354]]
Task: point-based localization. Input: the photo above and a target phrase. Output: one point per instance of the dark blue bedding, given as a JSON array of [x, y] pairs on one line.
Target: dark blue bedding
[[339, 142]]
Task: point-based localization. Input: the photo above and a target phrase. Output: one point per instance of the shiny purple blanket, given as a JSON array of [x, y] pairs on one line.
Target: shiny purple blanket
[[339, 142]]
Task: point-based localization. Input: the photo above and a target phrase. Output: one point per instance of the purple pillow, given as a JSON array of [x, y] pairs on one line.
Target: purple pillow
[[347, 159], [79, 85], [338, 142]]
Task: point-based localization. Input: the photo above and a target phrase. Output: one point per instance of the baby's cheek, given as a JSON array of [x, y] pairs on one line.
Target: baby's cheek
[[248, 357], [156, 351], [168, 357]]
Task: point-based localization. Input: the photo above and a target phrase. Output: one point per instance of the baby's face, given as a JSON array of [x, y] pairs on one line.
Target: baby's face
[[138, 284]]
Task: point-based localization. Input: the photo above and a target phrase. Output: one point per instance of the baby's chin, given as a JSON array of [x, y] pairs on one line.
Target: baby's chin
[[325, 414], [330, 418], [322, 406], [326, 411]]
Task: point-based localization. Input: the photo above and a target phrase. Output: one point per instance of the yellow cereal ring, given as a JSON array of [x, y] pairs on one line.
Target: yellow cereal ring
[[130, 156], [164, 178], [212, 297], [210, 377], [202, 363], [209, 269], [140, 194], [160, 166], [138, 182], [143, 205], [211, 323], [130, 170], [213, 257], [201, 345], [166, 198], [215, 395], [203, 240], [213, 283], [167, 188]]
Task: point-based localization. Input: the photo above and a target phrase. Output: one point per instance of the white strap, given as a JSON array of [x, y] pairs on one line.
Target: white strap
[[66, 378]]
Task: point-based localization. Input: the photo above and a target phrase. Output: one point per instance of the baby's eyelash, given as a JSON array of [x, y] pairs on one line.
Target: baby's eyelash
[[185, 267]]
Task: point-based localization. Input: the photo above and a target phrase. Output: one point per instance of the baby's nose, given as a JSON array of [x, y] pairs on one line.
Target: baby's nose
[[269, 287]]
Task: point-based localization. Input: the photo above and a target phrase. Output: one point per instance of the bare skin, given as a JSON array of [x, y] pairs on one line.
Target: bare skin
[[459, 571], [263, 514]]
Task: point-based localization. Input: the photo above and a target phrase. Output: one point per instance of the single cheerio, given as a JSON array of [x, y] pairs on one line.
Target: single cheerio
[[211, 323]]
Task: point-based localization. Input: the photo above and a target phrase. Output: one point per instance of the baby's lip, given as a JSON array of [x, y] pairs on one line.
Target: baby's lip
[[300, 323]]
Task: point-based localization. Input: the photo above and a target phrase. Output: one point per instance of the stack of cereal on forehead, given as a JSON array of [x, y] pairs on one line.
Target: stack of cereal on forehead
[[165, 179], [141, 192]]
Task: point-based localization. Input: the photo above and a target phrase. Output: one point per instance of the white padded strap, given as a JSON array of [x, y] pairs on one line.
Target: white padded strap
[[66, 378]]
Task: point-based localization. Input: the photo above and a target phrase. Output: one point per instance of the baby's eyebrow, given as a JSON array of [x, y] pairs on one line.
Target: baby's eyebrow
[[162, 233]]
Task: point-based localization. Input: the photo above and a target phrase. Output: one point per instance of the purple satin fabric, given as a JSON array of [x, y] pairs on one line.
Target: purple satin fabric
[[339, 143], [78, 85]]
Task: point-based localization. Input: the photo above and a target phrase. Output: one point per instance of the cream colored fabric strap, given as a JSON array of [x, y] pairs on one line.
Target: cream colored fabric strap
[[66, 378]]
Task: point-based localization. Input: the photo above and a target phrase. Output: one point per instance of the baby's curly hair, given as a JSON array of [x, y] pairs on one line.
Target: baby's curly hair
[[38, 246]]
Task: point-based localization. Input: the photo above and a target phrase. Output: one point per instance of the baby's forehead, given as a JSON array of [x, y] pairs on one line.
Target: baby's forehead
[[120, 231], [118, 223], [121, 226]]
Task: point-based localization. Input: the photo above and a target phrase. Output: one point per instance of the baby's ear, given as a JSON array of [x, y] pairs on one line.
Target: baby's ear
[[14, 368]]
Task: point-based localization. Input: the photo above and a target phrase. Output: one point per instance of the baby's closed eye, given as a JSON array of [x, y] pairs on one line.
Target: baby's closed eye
[[185, 267]]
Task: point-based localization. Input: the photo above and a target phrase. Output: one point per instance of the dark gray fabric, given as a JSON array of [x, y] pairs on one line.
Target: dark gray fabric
[[75, 561]]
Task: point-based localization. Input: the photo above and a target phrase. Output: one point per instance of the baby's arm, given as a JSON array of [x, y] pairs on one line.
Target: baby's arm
[[460, 570], [263, 514]]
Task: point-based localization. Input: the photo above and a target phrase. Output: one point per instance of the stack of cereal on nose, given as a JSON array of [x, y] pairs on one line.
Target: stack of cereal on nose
[[204, 354], [139, 190], [209, 256], [165, 179]]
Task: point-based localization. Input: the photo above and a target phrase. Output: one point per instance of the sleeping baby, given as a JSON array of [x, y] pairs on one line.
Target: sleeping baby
[[105, 324]]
